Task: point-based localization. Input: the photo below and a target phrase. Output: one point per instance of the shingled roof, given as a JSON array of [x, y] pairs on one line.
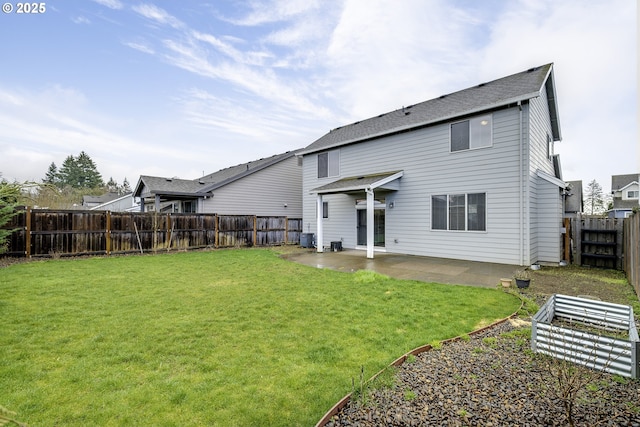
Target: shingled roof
[[485, 96], [230, 174], [203, 186]]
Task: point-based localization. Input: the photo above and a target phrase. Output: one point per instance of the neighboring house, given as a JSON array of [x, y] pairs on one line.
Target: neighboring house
[[90, 202], [625, 190], [469, 175], [124, 203], [573, 204], [266, 187]]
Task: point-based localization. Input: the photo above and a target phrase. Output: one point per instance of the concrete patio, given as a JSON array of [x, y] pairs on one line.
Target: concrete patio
[[426, 269]]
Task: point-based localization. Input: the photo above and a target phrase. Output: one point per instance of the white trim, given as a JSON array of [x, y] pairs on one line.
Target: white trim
[[551, 179]]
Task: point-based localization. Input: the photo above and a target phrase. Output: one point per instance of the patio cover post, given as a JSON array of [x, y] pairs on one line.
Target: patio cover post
[[370, 211], [319, 240]]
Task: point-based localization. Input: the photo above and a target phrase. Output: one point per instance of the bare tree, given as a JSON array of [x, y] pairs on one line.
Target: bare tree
[[594, 199]]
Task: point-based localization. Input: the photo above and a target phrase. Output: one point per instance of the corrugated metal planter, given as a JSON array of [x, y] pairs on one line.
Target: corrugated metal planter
[[605, 336]]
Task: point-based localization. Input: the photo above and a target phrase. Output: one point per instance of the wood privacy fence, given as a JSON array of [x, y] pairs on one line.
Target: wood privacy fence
[[597, 242], [631, 246], [44, 232]]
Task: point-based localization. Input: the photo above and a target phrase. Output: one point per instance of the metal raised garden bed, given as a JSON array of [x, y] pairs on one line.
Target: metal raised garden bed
[[600, 335]]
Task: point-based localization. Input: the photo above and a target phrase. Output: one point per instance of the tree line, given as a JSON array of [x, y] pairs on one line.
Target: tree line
[[81, 172]]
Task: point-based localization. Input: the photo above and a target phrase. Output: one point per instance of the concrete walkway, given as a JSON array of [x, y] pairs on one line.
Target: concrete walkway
[[425, 269]]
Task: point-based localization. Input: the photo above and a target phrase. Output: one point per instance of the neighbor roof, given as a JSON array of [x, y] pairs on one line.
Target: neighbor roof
[[203, 186], [618, 182], [485, 96], [230, 174]]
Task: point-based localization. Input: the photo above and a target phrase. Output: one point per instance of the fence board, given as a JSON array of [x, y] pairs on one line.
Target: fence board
[[42, 232], [632, 250]]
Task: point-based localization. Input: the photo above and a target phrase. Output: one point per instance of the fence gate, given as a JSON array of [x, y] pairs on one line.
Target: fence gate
[[598, 242]]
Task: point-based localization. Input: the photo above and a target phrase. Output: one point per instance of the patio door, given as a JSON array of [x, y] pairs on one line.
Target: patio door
[[378, 224]]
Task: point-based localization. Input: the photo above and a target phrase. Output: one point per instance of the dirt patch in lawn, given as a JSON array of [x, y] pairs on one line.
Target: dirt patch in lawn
[[606, 285]]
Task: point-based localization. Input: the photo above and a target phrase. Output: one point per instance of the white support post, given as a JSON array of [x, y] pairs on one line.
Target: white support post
[[319, 237], [370, 230]]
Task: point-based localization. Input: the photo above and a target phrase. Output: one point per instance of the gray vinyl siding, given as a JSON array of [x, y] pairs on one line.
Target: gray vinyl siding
[[549, 225], [546, 218], [431, 169], [263, 193]]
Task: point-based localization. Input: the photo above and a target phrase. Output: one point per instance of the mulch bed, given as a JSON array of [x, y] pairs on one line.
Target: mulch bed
[[489, 380]]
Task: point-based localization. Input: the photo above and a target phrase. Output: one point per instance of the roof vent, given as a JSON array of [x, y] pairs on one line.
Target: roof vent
[[531, 70], [442, 96], [481, 84]]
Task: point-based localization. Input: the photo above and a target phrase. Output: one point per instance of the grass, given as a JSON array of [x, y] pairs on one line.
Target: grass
[[233, 337]]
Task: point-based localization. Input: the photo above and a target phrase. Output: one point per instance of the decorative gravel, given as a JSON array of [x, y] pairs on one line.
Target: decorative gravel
[[488, 380]]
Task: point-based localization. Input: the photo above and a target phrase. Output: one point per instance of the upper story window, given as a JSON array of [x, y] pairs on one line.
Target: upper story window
[[329, 164], [632, 194], [472, 133]]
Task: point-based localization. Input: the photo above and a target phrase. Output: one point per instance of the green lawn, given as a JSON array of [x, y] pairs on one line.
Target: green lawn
[[230, 337]]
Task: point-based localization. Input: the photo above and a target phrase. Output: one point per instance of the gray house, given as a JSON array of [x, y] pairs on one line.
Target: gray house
[[624, 191], [469, 175], [269, 186]]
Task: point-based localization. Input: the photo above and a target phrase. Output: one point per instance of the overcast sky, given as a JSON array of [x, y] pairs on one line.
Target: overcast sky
[[185, 88]]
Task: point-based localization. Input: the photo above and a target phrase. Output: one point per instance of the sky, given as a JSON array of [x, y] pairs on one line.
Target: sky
[[186, 88]]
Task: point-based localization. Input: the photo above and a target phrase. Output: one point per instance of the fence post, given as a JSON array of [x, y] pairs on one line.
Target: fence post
[[217, 231], [27, 232], [577, 241], [286, 230], [108, 234], [169, 232], [255, 230], [567, 240]]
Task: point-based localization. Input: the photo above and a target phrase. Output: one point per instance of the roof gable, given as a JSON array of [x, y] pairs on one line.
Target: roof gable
[[485, 96], [619, 182]]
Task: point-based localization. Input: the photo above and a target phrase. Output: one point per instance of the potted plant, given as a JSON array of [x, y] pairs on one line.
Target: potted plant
[[523, 278]]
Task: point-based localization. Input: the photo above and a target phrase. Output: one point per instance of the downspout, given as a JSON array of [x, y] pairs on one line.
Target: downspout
[[520, 185]]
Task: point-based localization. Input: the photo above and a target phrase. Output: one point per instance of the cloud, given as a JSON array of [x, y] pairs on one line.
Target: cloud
[[111, 4], [264, 12], [66, 125], [158, 15], [81, 20], [140, 47]]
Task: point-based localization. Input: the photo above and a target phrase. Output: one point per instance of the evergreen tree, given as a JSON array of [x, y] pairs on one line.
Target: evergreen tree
[[9, 196], [112, 186], [79, 172], [89, 175], [69, 174], [594, 198], [52, 175], [126, 188]]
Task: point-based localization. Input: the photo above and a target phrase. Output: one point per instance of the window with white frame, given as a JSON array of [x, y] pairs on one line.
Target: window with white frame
[[632, 194], [472, 133], [329, 164], [459, 212]]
